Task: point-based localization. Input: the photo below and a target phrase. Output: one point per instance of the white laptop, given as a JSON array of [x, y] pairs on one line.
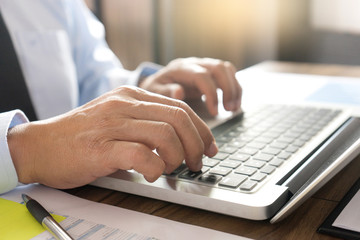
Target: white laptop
[[272, 156]]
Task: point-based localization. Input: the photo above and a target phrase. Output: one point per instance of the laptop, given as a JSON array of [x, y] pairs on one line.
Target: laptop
[[272, 157]]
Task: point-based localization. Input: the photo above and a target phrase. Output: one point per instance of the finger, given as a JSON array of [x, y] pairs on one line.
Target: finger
[[207, 86], [192, 131], [232, 71], [188, 134], [129, 155], [200, 125], [222, 73], [155, 135], [172, 90], [200, 78]]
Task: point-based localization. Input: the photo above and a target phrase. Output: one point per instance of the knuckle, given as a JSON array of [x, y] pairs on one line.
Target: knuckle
[[113, 102], [219, 67], [124, 90], [128, 90], [181, 105], [230, 66], [179, 112], [181, 117], [167, 132], [138, 152], [218, 62], [202, 74]]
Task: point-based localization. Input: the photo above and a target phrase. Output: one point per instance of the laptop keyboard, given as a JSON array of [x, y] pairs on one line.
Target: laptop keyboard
[[251, 150]]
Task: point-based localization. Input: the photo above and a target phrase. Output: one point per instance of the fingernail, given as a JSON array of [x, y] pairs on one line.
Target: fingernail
[[212, 150]]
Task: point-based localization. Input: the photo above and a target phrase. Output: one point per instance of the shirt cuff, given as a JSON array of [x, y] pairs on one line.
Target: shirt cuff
[[8, 176], [144, 70]]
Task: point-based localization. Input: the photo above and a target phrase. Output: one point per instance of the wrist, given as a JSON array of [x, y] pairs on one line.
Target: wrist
[[19, 145]]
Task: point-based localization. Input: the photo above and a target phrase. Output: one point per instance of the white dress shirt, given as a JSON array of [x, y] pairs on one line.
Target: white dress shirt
[[65, 61]]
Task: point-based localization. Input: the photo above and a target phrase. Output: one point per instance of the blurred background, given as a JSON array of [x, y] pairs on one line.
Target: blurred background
[[244, 32]]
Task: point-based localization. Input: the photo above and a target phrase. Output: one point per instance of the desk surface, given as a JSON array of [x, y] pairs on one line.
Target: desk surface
[[302, 224]]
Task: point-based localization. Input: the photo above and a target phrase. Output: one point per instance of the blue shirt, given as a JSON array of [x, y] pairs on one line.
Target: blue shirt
[[65, 61]]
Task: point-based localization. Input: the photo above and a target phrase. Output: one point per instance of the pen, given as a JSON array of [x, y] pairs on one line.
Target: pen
[[45, 219]]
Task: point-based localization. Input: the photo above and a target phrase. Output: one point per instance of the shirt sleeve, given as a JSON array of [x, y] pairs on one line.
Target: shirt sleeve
[[8, 176], [98, 68]]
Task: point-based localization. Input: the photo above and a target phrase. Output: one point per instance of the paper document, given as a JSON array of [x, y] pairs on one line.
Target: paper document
[[83, 229], [15, 216], [90, 220], [349, 218]]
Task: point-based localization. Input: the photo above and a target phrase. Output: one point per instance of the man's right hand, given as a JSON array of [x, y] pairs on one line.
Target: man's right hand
[[119, 130]]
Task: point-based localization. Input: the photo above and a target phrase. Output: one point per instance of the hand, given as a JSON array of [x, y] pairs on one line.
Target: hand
[[118, 130], [193, 77]]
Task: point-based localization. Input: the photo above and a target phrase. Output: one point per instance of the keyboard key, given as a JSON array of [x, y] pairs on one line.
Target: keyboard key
[[248, 185], [279, 129], [232, 181], [228, 149], [221, 156], [245, 170], [239, 157], [237, 144], [268, 169], [223, 139], [181, 168], [286, 139], [305, 137], [232, 134], [223, 171], [284, 155], [210, 178], [248, 150], [204, 169], [257, 145], [210, 162], [266, 140], [190, 174], [263, 157], [245, 138], [276, 162], [271, 151], [291, 149], [292, 134], [298, 143], [271, 134], [254, 163], [279, 145], [258, 177], [230, 163], [298, 129]]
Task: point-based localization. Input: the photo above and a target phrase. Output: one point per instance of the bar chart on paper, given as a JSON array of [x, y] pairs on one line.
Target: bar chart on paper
[[85, 220], [86, 230]]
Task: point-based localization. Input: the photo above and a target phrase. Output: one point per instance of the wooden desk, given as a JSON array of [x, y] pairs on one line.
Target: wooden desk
[[302, 224]]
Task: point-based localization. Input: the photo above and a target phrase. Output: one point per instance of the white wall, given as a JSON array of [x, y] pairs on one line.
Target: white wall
[[336, 15], [240, 31]]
